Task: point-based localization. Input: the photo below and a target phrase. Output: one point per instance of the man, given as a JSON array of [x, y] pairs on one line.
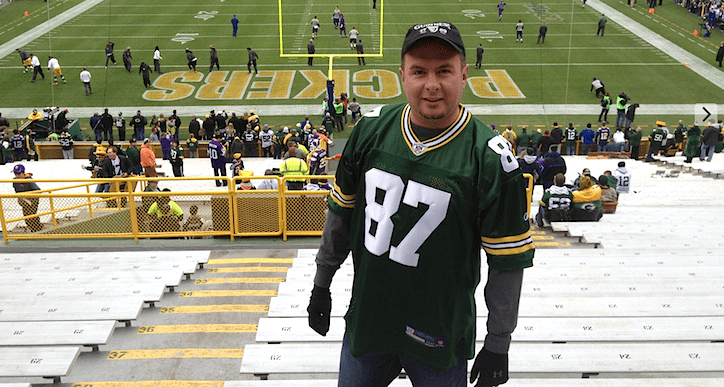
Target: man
[[342, 27], [214, 59], [360, 50], [116, 165], [107, 122], [109, 53], [294, 165], [630, 114], [557, 137], [234, 25], [338, 115], [543, 145], [571, 137], [601, 25], [96, 126], [519, 31], [619, 139], [134, 156], [523, 141], [657, 136], [693, 137], [157, 60], [177, 159], [54, 67], [719, 54], [356, 109], [127, 58], [415, 149], [217, 155], [30, 203], [335, 17], [587, 138], [679, 135], [353, 35], [634, 141], [623, 178], [374, 4], [145, 71], [605, 107], [250, 138], [17, 141], [708, 141], [315, 27], [35, 62], [553, 164], [85, 77], [510, 136], [597, 84], [602, 135], [621, 101], [139, 125], [479, 56], [27, 66], [191, 58], [542, 33], [310, 50], [266, 136], [252, 60], [501, 7], [148, 159], [66, 144], [556, 202], [61, 121]]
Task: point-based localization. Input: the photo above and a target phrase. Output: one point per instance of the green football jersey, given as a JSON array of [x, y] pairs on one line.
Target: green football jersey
[[424, 209], [556, 197]]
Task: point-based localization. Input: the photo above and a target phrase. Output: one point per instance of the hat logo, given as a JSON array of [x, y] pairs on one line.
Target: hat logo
[[433, 29]]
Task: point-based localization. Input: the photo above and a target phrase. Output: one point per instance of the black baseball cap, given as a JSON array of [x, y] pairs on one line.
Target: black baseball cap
[[440, 30]]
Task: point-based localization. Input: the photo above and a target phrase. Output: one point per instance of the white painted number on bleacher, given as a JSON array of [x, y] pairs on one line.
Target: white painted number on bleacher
[[528, 328], [78, 332], [18, 333], [625, 356], [694, 356], [275, 357], [206, 15], [286, 329], [473, 13], [35, 361], [587, 328], [557, 356], [648, 328]]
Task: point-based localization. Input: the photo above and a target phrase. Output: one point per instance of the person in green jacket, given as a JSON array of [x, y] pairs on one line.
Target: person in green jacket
[[134, 156], [534, 137], [193, 145], [693, 138], [7, 151], [30, 146], [601, 25], [339, 114], [605, 106], [657, 136], [634, 140], [523, 141], [679, 135], [621, 101]]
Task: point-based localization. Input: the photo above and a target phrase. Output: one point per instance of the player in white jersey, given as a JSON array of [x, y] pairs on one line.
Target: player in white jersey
[[353, 34]]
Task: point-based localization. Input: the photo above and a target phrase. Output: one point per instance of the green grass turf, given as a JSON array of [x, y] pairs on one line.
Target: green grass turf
[[558, 72]]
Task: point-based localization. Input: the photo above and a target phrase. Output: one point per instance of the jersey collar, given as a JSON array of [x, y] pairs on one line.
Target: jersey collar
[[417, 147]]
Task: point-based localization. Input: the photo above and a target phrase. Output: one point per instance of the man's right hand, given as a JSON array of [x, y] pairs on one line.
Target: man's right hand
[[319, 309]]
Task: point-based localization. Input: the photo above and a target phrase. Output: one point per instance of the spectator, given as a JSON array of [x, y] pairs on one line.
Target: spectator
[[679, 135], [194, 127], [250, 142], [66, 144], [293, 150], [510, 136], [139, 126], [623, 178], [602, 135], [134, 156], [121, 126], [338, 115], [148, 159], [655, 140], [18, 144], [587, 201], [154, 135], [531, 164], [194, 221], [220, 120], [96, 169], [192, 144], [634, 140], [107, 124], [29, 203], [571, 136], [544, 145], [165, 141], [115, 165], [553, 164], [7, 151], [605, 107], [165, 214], [557, 137], [619, 139], [621, 102], [61, 121], [294, 166], [522, 140], [585, 172], [534, 137], [97, 126], [608, 193], [208, 128], [30, 146], [268, 184], [217, 155], [555, 204], [708, 142]]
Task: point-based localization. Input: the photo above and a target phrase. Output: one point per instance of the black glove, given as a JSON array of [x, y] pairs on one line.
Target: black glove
[[320, 306], [491, 367]]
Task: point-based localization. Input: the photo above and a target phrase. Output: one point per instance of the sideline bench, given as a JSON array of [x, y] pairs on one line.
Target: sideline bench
[[86, 333], [576, 358], [45, 362], [533, 329]]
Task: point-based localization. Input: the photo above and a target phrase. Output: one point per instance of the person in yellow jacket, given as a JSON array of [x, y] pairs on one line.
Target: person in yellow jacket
[[511, 137], [294, 166], [587, 200]]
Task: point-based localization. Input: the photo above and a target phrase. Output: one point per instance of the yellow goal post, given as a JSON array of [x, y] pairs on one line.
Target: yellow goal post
[[331, 56]]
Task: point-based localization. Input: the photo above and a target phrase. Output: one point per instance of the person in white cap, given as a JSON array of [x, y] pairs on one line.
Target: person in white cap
[[418, 186]]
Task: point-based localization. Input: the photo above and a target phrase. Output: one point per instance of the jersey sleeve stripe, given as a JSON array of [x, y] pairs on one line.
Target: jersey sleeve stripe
[[509, 251], [508, 239], [343, 197], [344, 201]]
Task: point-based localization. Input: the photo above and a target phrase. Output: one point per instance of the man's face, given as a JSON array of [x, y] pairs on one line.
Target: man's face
[[111, 154], [433, 76]]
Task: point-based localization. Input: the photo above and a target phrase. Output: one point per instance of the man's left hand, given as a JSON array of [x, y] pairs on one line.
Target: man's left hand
[[492, 368]]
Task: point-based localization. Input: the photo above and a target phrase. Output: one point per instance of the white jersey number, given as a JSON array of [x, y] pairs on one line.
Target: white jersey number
[[378, 222], [502, 147]]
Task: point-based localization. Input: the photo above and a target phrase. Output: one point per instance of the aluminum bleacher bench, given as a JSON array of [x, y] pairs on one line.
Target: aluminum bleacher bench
[[534, 329], [526, 358], [45, 362], [150, 292], [170, 279], [122, 310], [515, 382], [85, 333]]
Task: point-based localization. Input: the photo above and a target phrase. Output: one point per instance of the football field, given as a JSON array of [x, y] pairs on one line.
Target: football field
[[654, 58]]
